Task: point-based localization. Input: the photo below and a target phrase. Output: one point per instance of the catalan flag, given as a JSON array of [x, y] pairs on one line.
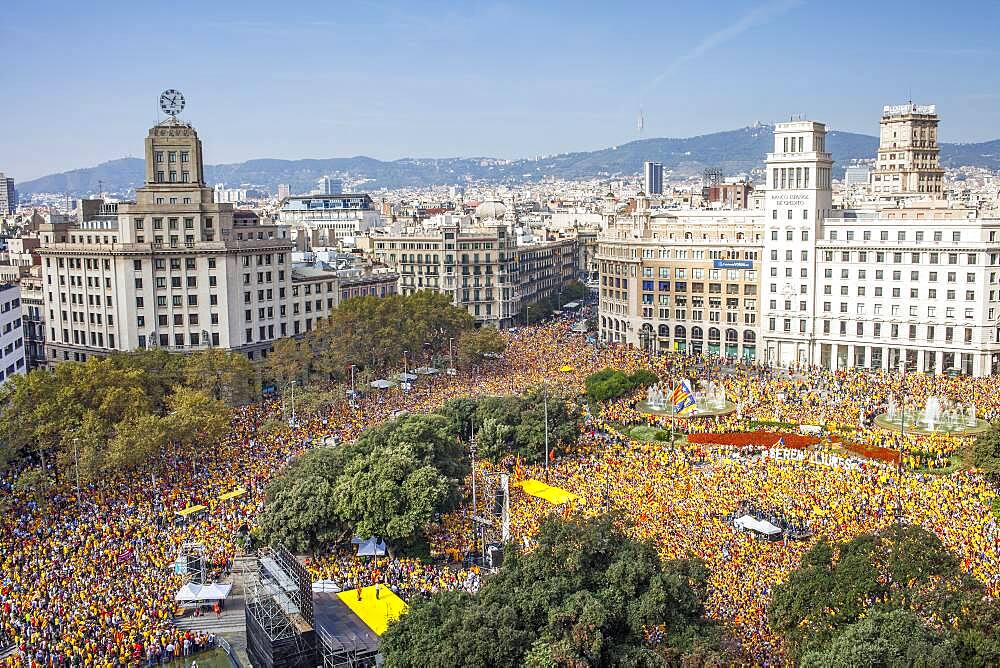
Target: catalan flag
[[682, 398]]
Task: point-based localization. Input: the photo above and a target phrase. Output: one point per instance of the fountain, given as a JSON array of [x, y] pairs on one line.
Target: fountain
[[709, 402], [939, 415], [656, 399], [932, 411]]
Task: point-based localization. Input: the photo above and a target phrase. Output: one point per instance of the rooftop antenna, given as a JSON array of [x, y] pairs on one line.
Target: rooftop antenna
[[640, 123]]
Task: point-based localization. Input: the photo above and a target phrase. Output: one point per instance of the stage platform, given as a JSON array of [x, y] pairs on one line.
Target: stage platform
[[375, 613]]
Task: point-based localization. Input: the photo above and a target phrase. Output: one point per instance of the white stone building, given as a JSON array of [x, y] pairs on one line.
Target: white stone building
[[12, 358]]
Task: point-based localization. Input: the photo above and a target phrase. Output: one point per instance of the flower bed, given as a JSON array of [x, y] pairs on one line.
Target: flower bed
[[757, 439], [873, 452]]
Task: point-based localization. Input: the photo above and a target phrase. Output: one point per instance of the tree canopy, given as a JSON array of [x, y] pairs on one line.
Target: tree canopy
[[115, 412], [851, 593], [300, 511], [516, 424], [608, 384], [475, 346], [985, 453], [586, 595], [373, 333], [390, 483]]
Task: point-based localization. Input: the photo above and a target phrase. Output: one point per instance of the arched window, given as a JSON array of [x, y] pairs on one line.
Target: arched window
[[664, 330], [732, 336], [749, 337], [680, 333], [696, 333], [713, 334]]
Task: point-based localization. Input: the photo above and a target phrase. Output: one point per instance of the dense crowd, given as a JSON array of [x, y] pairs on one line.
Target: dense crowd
[[88, 580]]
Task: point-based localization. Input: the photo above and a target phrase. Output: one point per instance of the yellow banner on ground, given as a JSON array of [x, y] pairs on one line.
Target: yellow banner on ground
[[233, 494], [376, 613], [190, 510], [566, 368], [554, 495]]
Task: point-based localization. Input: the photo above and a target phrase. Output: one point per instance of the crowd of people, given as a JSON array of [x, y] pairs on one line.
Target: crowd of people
[[88, 579]]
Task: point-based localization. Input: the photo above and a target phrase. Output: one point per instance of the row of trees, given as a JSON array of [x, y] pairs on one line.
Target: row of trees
[[397, 477], [608, 383], [106, 414], [375, 334], [586, 595]]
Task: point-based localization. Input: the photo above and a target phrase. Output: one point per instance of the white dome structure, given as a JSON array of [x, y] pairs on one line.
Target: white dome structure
[[491, 209]]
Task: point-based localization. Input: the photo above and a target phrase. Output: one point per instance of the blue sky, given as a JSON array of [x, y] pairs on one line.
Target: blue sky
[[508, 79]]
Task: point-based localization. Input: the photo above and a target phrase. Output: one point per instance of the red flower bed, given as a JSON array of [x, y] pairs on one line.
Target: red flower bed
[[758, 439], [873, 452]]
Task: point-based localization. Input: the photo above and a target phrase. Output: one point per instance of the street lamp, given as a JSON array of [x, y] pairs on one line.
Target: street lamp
[[451, 353], [353, 389], [76, 458], [405, 352]]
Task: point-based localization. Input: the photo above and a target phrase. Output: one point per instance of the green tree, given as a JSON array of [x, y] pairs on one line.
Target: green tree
[[390, 493], [289, 360], [985, 453], [642, 378], [373, 333], [197, 417], [574, 291], [300, 511], [607, 384], [223, 375], [431, 439], [585, 595], [904, 568], [894, 639], [475, 346]]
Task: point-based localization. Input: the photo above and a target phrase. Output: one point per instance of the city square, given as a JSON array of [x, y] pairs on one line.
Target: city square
[[90, 577]]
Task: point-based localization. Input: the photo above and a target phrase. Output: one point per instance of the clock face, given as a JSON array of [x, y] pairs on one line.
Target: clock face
[[171, 102]]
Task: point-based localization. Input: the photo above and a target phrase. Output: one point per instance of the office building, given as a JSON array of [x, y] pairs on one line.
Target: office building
[[12, 359], [477, 262], [908, 162], [330, 186], [799, 195], [681, 281], [173, 269], [857, 176], [653, 177], [284, 191], [8, 195], [319, 221], [909, 284]]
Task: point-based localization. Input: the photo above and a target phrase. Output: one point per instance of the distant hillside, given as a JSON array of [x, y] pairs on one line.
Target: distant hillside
[[733, 151]]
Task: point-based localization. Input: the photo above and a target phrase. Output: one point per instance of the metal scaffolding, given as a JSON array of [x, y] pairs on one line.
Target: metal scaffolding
[[344, 652]]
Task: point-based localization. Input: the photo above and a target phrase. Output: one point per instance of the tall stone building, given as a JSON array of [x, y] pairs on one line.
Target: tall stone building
[[171, 269], [909, 158]]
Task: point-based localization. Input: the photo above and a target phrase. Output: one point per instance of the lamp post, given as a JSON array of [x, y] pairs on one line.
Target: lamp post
[[76, 458], [291, 384], [545, 403], [354, 392], [451, 353], [405, 352]]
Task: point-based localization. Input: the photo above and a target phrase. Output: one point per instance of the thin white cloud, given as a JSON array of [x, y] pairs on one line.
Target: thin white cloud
[[758, 16]]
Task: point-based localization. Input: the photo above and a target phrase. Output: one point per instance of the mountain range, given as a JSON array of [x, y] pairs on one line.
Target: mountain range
[[733, 151]]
